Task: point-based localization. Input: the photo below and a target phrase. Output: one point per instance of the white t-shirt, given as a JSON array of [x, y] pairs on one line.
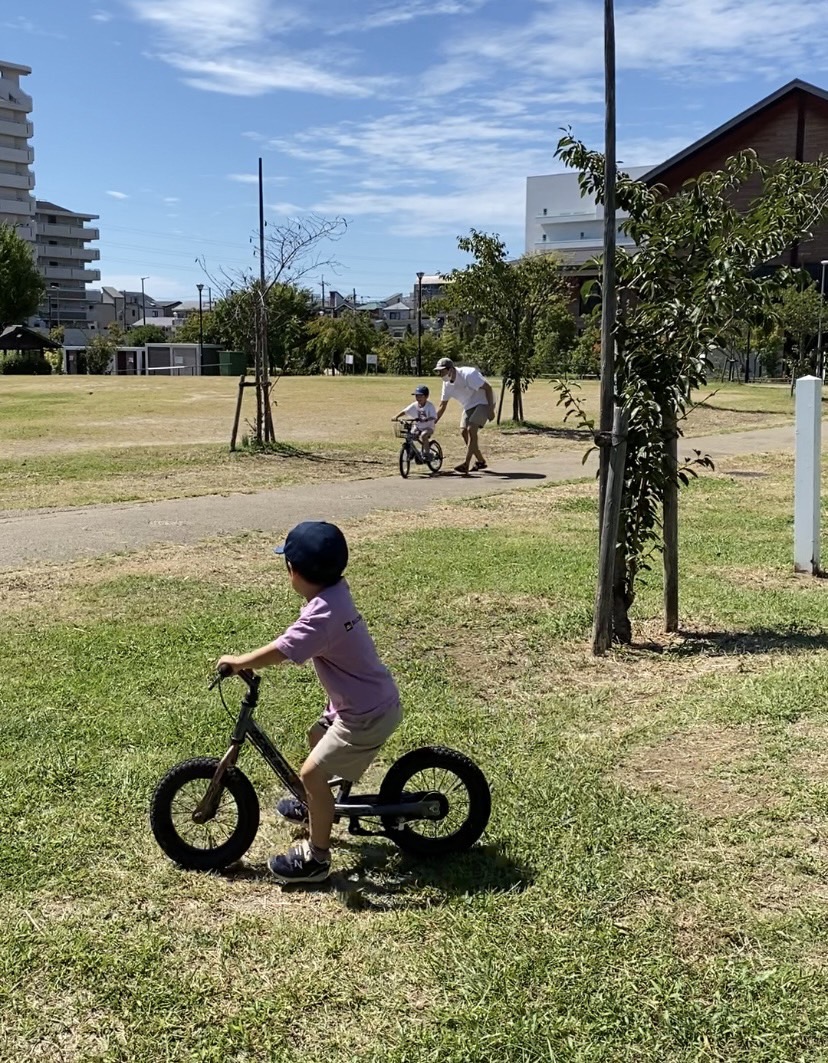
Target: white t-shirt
[[425, 415], [467, 388]]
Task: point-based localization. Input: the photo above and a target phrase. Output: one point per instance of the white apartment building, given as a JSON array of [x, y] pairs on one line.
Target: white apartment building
[[560, 219], [17, 206], [63, 258]]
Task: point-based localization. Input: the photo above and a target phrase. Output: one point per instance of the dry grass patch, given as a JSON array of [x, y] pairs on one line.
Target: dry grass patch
[[711, 769]]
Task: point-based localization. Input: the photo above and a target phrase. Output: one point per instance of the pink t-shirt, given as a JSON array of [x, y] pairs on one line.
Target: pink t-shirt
[[331, 633]]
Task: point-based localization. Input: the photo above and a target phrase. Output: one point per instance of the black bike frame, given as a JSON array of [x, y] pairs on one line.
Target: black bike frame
[[422, 805]]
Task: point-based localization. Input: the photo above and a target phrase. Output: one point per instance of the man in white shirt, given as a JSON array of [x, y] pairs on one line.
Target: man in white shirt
[[475, 395], [424, 415]]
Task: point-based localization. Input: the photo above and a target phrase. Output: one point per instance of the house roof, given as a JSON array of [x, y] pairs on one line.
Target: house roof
[[786, 90], [398, 306], [434, 278], [21, 338], [43, 205]]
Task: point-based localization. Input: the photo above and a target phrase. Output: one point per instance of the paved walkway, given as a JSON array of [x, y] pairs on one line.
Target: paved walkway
[[30, 536]]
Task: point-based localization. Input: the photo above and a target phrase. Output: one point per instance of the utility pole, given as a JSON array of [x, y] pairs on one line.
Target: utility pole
[[200, 328], [323, 295], [262, 381], [144, 300], [420, 323]]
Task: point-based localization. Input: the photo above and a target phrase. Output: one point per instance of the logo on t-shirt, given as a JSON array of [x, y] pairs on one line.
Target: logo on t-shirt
[[351, 624]]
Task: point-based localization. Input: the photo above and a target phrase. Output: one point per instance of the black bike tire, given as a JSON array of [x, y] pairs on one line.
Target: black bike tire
[[435, 466], [405, 461], [189, 856], [480, 800]]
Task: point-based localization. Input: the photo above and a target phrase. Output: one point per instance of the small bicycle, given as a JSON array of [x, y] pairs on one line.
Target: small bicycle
[[412, 449], [205, 812]]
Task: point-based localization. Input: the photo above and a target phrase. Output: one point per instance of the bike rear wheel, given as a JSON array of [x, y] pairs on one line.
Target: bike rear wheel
[[405, 461], [464, 791], [223, 839], [435, 456]]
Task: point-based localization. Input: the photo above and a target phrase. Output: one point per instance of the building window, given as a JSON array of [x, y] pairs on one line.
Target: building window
[[544, 237], [583, 236], [51, 219], [53, 263], [544, 210]]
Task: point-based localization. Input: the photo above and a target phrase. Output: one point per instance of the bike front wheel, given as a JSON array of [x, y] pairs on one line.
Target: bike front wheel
[[405, 461], [224, 838], [464, 794], [434, 456]]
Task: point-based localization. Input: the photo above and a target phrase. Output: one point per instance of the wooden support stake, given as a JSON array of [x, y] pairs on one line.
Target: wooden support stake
[[611, 512], [500, 404], [670, 525]]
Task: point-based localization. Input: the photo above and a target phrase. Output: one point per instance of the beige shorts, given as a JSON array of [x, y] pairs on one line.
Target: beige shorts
[[347, 749], [476, 417]]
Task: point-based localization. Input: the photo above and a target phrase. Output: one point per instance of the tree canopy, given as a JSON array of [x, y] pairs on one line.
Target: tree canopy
[[21, 286]]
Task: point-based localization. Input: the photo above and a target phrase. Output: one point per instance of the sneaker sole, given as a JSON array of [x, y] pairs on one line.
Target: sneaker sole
[[287, 880]]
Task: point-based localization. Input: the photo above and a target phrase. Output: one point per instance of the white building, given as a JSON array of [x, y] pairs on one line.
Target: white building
[[17, 206], [63, 258], [559, 218]]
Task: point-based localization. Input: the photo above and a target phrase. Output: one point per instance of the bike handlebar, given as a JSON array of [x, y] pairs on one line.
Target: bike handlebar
[[224, 671]]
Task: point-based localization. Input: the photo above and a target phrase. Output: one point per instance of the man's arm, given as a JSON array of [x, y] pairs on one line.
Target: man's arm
[[487, 387], [441, 409]]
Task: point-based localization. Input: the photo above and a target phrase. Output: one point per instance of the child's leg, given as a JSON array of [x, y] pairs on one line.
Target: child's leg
[[320, 807]]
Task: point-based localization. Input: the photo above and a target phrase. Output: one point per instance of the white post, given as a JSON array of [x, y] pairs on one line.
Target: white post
[[807, 474]]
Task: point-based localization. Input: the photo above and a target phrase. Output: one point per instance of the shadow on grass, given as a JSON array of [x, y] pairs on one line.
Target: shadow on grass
[[514, 475], [532, 428], [380, 878], [727, 643], [286, 450]]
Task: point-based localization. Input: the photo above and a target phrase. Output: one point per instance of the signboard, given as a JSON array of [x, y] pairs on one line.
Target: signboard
[[349, 359], [413, 363], [370, 359]]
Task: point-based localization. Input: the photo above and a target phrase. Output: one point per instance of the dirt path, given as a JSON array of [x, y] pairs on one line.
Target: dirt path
[[31, 536]]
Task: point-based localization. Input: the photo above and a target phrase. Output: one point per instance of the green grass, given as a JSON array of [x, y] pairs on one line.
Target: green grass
[[79, 440], [653, 882]]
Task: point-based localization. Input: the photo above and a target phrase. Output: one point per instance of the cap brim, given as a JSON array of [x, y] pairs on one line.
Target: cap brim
[[279, 549]]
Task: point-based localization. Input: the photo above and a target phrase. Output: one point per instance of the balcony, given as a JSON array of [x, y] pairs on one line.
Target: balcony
[[24, 129], [59, 273], [66, 255], [72, 232], [594, 245], [557, 216], [13, 97], [24, 181], [19, 207], [20, 155]]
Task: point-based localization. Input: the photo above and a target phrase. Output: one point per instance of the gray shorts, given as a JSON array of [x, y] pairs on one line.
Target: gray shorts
[[476, 417], [347, 749]]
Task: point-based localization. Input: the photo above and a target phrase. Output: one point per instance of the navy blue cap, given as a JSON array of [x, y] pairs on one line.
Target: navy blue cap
[[317, 550], [420, 390]]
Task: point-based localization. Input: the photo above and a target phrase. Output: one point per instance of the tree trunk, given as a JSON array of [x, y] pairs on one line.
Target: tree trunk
[[622, 600]]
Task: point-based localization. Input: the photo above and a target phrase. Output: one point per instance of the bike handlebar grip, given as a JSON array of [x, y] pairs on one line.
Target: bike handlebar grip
[[224, 671]]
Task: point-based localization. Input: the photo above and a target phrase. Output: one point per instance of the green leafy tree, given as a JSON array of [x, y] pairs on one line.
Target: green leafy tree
[[331, 338], [144, 334], [99, 354], [695, 272], [21, 286], [233, 323], [515, 303], [797, 313]]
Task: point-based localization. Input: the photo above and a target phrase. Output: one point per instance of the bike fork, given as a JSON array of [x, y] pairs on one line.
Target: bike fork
[[209, 803]]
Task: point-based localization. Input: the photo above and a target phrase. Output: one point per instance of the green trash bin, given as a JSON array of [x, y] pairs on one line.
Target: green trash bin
[[232, 363]]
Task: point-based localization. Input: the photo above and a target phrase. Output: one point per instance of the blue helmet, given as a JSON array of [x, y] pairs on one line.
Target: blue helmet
[[420, 390]]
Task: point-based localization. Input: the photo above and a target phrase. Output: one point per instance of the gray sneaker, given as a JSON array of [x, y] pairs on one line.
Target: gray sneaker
[[294, 811]]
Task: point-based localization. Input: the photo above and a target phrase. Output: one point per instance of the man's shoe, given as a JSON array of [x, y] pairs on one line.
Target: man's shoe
[[479, 466], [298, 865], [462, 469], [294, 811]]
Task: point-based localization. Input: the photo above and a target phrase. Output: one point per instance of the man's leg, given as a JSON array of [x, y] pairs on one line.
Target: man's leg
[[464, 467], [475, 446], [472, 450]]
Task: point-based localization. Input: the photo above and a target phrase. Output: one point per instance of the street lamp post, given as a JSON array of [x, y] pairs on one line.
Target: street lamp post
[[200, 326], [820, 356], [143, 300], [51, 310], [420, 323]]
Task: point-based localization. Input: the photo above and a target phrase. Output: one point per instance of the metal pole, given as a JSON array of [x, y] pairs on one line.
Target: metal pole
[[419, 324], [209, 299], [143, 300], [602, 625], [200, 327], [807, 478], [262, 394], [820, 358]]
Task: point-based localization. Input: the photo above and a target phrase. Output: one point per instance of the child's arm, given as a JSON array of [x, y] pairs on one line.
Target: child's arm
[[264, 657], [397, 416]]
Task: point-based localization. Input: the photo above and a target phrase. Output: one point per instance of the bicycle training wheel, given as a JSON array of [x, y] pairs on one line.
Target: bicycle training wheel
[[435, 456], [466, 799], [405, 461], [220, 841]]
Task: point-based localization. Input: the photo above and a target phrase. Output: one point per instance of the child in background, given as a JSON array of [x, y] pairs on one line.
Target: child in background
[[424, 414]]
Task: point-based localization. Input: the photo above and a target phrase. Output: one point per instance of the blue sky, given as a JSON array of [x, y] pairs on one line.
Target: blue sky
[[415, 119]]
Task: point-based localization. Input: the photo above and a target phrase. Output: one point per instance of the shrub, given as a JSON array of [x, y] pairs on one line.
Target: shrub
[[24, 363]]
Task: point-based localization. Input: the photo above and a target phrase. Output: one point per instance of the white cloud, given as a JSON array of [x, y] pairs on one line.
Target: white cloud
[[117, 195], [245, 48], [286, 210], [171, 200], [102, 16], [388, 15], [253, 179]]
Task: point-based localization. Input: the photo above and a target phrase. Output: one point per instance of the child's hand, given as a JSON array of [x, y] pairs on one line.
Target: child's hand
[[227, 662]]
